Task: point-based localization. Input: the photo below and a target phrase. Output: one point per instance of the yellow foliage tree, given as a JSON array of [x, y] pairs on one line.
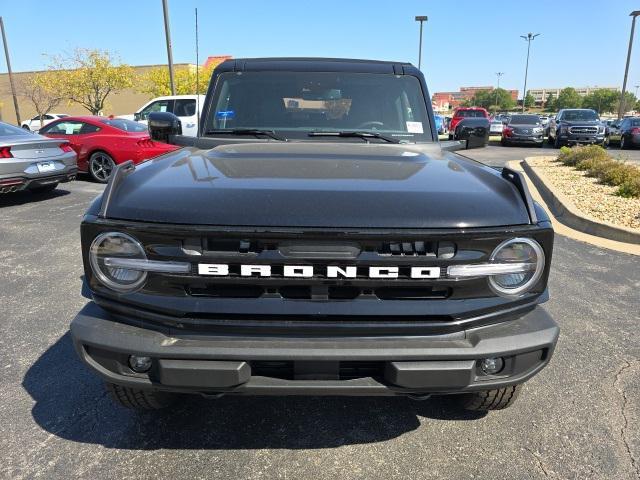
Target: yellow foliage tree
[[156, 83], [43, 90], [88, 77]]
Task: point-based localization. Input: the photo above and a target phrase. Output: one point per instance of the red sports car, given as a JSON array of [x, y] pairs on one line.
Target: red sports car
[[102, 142]]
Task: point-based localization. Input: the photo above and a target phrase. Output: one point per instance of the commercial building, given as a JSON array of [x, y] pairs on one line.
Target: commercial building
[[541, 94], [445, 101], [118, 103]]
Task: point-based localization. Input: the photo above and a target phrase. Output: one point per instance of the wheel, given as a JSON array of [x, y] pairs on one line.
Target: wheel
[[450, 136], [503, 142], [44, 189], [100, 166], [26, 127], [556, 142], [140, 399], [623, 144], [496, 399]]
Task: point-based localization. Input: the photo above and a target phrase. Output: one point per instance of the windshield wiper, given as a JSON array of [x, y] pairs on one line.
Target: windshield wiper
[[364, 135], [247, 131]]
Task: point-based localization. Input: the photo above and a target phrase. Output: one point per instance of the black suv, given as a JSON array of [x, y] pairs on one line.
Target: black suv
[[574, 126], [316, 239]]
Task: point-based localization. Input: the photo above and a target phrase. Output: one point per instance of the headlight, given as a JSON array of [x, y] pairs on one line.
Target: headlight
[[526, 258], [104, 253]]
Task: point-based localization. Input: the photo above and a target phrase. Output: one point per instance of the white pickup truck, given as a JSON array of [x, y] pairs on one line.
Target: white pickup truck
[[186, 107]]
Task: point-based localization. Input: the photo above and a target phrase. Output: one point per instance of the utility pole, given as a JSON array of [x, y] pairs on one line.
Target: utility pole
[[165, 10], [530, 36], [633, 14], [498, 74], [13, 87], [421, 19], [636, 87]]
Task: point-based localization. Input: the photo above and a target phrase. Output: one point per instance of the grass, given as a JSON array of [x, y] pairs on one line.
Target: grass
[[594, 160]]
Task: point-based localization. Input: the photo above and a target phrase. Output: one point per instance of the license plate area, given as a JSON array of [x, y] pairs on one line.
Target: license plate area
[[44, 167]]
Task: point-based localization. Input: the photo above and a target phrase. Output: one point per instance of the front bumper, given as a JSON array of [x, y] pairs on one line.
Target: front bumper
[[574, 138], [533, 139], [285, 365]]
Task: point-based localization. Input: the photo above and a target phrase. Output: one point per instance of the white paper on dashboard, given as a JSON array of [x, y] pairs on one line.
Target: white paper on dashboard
[[414, 127]]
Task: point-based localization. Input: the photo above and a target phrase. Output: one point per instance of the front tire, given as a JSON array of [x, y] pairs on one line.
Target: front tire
[[556, 142], [44, 189], [140, 399], [100, 166], [26, 127], [496, 399], [623, 144]]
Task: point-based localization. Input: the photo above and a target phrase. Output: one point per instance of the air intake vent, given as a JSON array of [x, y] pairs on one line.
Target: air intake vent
[[441, 250]]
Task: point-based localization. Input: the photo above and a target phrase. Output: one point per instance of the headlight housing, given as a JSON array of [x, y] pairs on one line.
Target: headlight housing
[[527, 258], [116, 245]]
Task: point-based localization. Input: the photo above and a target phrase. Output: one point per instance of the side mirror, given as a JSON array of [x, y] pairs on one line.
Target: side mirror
[[137, 116], [475, 131], [162, 125]]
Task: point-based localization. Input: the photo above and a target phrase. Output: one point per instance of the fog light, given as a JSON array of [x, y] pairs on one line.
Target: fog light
[[491, 366], [139, 364]]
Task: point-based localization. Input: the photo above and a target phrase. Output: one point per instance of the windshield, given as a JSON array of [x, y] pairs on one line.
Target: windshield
[[525, 119], [579, 115], [470, 113], [297, 103], [126, 125]]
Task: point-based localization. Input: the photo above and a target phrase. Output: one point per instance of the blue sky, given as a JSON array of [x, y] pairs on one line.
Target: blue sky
[[581, 43]]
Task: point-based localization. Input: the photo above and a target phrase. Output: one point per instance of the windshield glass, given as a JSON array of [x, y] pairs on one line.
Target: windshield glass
[[126, 125], [470, 113], [525, 119], [579, 115], [296, 103], [7, 130]]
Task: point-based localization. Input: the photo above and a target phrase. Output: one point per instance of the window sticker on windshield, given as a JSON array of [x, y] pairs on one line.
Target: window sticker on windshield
[[414, 127], [225, 114]]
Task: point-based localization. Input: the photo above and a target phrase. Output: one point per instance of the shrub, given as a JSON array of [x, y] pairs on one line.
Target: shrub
[[594, 160]]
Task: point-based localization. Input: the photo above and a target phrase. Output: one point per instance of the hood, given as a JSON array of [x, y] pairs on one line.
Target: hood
[[318, 184]]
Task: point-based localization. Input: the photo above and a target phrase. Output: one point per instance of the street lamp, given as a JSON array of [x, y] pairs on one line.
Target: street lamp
[[530, 36], [636, 87], [633, 14], [498, 74], [421, 19]]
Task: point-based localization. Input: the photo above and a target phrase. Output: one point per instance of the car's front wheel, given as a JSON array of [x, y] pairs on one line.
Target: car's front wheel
[[496, 399], [556, 142], [100, 166], [623, 144], [140, 399]]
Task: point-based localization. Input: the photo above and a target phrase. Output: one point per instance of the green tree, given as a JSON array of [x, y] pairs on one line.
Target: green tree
[[156, 83], [496, 99], [629, 102], [568, 98], [43, 91], [88, 77], [529, 101], [550, 103], [602, 100]]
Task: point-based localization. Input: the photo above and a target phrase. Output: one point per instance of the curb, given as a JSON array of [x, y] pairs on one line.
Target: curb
[[566, 212]]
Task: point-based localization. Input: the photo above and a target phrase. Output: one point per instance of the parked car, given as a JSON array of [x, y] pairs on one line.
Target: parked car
[[186, 107], [576, 126], [465, 112], [363, 257], [440, 126], [33, 125], [496, 127], [102, 142], [476, 128], [629, 132], [523, 129], [544, 120], [613, 130], [29, 161]]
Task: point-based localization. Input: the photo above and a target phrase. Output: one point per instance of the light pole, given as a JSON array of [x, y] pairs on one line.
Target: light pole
[[13, 87], [530, 36], [421, 19], [633, 14], [165, 11], [636, 93], [498, 74]]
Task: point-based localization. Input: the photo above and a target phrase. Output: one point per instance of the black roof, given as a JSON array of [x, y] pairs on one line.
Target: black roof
[[310, 64]]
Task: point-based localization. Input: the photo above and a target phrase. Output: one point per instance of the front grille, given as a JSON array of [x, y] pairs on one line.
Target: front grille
[[583, 130]]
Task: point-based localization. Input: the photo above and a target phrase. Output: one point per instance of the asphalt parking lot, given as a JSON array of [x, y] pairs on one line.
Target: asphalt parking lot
[[580, 418]]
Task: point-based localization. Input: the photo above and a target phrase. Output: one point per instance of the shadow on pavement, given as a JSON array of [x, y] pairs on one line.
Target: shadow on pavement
[[20, 198], [71, 403]]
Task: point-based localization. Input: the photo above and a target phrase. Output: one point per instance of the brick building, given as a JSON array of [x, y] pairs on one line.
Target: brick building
[[445, 101]]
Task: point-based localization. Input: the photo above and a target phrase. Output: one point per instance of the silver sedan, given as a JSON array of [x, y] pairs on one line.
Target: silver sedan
[[29, 161]]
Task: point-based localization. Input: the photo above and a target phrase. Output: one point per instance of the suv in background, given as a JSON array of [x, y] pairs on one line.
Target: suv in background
[[575, 126], [33, 124], [465, 112], [186, 107]]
